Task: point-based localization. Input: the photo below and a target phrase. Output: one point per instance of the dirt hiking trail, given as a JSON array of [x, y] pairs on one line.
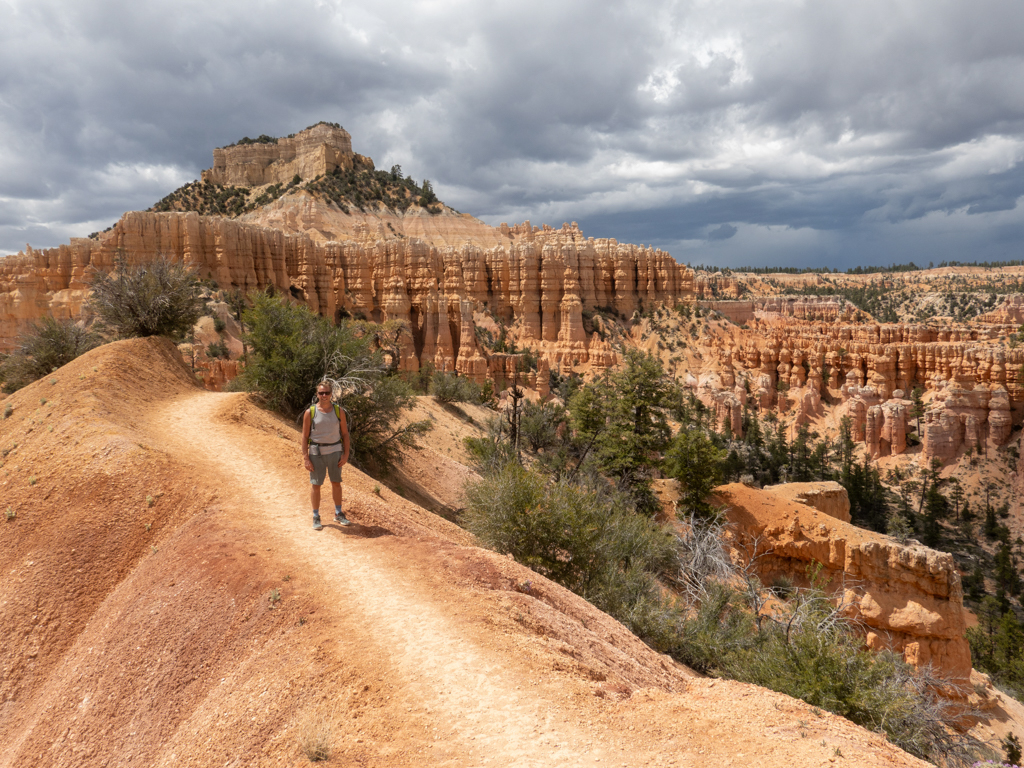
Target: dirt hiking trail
[[166, 602]]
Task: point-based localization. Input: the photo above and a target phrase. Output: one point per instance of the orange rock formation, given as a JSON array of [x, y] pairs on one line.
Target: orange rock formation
[[541, 281], [908, 598], [975, 385], [826, 496]]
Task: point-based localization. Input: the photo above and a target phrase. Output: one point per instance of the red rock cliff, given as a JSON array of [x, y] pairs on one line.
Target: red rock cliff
[[542, 281]]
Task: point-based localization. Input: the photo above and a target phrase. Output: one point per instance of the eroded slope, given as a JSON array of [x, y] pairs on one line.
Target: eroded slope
[[212, 625]]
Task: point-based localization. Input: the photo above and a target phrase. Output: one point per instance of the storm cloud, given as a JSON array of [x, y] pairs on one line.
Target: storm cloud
[[733, 132]]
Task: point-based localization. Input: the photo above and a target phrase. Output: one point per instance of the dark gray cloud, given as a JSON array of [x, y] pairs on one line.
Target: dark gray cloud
[[736, 132], [723, 232]]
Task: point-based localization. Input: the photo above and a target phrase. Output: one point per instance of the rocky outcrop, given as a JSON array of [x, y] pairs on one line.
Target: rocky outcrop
[[539, 284], [1009, 312], [316, 151], [907, 599], [828, 309], [814, 308], [968, 417], [825, 496]]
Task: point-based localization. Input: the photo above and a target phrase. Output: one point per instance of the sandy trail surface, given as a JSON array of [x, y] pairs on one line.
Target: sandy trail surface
[[459, 692]]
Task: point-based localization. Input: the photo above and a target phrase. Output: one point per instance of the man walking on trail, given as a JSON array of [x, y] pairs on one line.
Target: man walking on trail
[[324, 450]]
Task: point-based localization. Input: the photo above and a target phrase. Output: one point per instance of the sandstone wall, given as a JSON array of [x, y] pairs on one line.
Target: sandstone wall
[[821, 308], [317, 150], [908, 599], [541, 282]]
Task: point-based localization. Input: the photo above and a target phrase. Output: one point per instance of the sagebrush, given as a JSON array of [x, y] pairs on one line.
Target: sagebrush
[[45, 346], [159, 298]]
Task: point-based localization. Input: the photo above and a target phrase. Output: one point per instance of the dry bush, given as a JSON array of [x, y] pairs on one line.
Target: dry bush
[[44, 347], [315, 737], [156, 299]]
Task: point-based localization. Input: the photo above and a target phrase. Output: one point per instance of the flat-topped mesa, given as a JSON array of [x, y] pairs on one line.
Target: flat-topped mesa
[[316, 151]]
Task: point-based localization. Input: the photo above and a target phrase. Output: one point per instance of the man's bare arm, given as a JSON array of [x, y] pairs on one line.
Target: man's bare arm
[[344, 439], [306, 426]]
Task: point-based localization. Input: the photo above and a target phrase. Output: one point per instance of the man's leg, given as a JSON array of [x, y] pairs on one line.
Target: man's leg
[[316, 479], [339, 516]]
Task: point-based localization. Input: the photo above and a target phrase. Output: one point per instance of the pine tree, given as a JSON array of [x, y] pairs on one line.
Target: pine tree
[[627, 419], [1011, 747], [917, 409], [991, 526], [1006, 570], [800, 455], [956, 495], [695, 462]]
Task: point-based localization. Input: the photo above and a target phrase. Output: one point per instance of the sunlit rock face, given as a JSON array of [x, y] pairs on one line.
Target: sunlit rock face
[[540, 283], [316, 151], [972, 384], [906, 598]]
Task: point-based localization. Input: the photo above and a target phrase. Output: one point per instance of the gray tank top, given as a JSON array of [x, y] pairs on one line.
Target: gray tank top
[[326, 428]]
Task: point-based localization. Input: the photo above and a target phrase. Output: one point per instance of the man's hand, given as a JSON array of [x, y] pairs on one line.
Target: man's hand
[[307, 463]]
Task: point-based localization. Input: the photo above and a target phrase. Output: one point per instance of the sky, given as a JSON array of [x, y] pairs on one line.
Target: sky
[[727, 132]]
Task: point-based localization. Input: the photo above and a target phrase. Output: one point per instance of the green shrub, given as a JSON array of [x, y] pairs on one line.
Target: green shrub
[[217, 349], [219, 324], [539, 424], [809, 652], [452, 388], [589, 542], [490, 453], [44, 347], [420, 380], [374, 412], [291, 347], [160, 298]]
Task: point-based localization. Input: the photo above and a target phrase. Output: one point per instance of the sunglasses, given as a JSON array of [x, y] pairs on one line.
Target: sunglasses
[[323, 394]]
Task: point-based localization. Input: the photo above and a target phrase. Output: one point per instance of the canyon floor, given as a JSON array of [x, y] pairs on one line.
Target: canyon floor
[[166, 602]]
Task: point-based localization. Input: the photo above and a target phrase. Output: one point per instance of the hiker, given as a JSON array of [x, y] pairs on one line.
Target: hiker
[[324, 450]]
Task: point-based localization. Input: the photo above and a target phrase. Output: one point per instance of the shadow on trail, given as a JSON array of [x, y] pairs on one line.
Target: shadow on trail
[[361, 531]]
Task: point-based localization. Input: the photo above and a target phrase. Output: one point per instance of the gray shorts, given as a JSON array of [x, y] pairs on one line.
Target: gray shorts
[[325, 465]]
